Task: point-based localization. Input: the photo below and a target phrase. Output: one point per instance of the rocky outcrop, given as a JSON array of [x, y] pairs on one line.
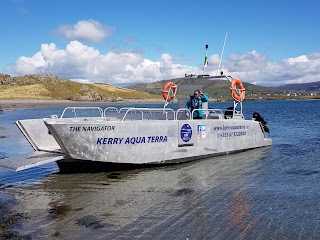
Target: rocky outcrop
[[6, 79], [46, 78], [89, 97]]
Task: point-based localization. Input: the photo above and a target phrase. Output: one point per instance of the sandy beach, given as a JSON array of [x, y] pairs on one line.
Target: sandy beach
[[9, 105]]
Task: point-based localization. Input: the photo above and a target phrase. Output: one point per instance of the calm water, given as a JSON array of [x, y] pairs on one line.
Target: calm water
[[268, 193]]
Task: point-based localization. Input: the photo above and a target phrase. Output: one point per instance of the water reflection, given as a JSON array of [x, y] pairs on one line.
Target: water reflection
[[239, 211], [176, 202]]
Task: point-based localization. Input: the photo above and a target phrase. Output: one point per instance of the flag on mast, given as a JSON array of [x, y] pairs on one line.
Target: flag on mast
[[205, 64], [205, 61]]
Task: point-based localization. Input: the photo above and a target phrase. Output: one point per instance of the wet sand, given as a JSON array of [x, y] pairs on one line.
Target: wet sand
[[9, 105]]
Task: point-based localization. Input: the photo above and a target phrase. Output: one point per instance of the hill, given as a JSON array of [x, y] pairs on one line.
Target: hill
[[213, 88], [313, 87], [46, 87]]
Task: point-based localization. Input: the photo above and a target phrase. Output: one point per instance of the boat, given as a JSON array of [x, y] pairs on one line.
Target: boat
[[95, 139]]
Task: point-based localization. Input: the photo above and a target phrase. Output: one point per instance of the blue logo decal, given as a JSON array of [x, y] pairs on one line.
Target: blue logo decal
[[186, 132], [201, 131]]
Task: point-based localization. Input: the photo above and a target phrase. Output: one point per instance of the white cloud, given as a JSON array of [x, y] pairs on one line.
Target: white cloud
[[79, 61], [26, 64], [86, 64], [254, 67], [85, 30], [246, 62], [299, 59]]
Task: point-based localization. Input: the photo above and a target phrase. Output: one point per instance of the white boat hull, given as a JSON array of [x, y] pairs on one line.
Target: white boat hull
[[154, 142]]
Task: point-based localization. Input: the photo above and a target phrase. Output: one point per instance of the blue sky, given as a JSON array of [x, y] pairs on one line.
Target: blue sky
[[269, 43]]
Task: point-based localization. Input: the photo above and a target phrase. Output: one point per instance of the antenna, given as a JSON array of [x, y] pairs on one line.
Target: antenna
[[224, 44]]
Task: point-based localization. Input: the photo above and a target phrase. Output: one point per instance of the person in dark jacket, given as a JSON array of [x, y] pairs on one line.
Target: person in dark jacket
[[195, 102]]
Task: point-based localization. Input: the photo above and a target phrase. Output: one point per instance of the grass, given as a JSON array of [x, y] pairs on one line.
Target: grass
[[69, 90], [34, 91]]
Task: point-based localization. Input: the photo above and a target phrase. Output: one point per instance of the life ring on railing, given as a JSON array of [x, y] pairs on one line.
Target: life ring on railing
[[169, 91], [238, 94]]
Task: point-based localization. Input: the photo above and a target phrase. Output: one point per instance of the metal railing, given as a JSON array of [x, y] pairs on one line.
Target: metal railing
[[209, 113], [126, 114], [146, 114], [73, 109], [109, 109], [184, 110]]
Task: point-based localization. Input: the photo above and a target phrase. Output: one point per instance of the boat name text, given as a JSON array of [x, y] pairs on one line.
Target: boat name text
[[92, 128], [132, 140]]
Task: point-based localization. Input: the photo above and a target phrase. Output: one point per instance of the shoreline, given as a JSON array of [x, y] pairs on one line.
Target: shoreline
[[11, 105], [18, 104]]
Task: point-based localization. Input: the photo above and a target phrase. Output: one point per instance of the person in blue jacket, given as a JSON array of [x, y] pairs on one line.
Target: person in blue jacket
[[195, 102]]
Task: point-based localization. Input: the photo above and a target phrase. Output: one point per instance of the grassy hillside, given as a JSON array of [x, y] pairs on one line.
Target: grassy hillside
[[51, 87], [302, 87], [46, 87], [213, 88]]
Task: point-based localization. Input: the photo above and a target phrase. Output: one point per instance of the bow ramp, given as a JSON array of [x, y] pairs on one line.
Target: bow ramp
[[46, 148], [29, 160]]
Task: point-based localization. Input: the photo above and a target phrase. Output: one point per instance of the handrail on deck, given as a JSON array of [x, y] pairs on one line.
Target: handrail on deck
[[182, 110], [82, 108], [125, 111], [210, 110], [148, 110], [110, 108]]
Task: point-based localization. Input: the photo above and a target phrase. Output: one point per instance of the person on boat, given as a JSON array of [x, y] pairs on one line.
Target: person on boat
[[195, 102]]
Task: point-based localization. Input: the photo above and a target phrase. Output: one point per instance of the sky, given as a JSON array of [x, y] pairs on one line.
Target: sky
[[269, 42]]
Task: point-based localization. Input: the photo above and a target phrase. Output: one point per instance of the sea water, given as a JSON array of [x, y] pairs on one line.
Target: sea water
[[266, 193]]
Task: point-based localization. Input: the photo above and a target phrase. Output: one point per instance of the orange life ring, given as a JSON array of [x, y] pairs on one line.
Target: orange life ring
[[169, 91], [237, 94]]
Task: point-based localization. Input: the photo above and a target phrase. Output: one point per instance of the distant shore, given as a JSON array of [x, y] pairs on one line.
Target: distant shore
[[9, 105]]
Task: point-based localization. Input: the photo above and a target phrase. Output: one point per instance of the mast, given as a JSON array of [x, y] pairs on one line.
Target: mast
[[205, 64], [224, 44]]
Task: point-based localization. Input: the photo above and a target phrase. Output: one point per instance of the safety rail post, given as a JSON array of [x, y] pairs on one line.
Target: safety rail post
[[129, 110], [109, 108], [235, 104], [229, 78], [183, 109]]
